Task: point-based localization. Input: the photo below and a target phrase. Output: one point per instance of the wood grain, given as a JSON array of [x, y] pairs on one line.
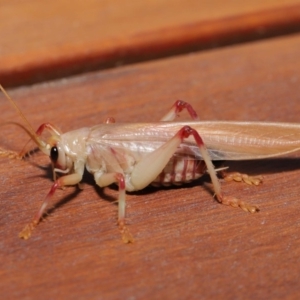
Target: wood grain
[[187, 245], [44, 41]]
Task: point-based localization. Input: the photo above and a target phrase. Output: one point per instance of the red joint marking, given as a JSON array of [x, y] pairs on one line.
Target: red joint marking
[[121, 180], [110, 120], [180, 105], [43, 127], [40, 213], [186, 131], [48, 126], [53, 188]]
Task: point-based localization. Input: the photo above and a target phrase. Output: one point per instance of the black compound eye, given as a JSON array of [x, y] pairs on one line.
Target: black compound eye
[[54, 154]]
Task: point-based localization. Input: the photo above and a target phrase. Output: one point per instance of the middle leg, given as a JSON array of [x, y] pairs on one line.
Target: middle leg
[[106, 179]]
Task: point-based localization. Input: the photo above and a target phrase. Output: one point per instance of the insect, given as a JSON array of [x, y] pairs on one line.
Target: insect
[[136, 155]]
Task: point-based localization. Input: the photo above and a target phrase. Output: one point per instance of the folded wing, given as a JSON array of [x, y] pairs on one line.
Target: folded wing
[[224, 140]]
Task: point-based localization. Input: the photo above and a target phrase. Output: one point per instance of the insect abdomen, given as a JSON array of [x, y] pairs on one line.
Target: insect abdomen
[[180, 170]]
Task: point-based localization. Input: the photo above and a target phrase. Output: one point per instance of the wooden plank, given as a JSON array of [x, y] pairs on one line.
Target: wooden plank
[[186, 243], [42, 41]]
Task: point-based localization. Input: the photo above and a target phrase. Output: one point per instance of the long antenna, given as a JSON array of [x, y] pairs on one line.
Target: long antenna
[[34, 136]]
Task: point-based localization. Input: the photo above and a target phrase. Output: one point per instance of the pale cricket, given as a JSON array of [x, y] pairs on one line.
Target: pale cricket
[[135, 155]]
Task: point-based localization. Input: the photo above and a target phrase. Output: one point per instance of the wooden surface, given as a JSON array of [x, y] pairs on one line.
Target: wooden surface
[[44, 41], [187, 246]]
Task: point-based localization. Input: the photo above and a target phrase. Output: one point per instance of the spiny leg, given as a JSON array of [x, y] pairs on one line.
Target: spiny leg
[[71, 179], [107, 179], [177, 107], [240, 177], [9, 154], [146, 170]]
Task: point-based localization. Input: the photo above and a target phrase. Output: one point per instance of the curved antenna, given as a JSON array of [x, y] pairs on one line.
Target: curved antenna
[[40, 143]]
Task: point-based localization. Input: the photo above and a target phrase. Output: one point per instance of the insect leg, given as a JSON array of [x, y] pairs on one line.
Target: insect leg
[[177, 107], [54, 131], [106, 179], [152, 165], [239, 177], [51, 128], [9, 154], [71, 179], [109, 120]]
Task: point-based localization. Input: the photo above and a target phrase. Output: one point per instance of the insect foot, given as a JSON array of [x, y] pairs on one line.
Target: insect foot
[[26, 232], [9, 154], [234, 202], [251, 180], [126, 235]]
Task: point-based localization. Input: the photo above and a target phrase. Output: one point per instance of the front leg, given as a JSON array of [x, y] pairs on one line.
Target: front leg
[[71, 179], [9, 154]]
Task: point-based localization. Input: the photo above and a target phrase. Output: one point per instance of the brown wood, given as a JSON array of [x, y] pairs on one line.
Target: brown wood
[[187, 246], [43, 41]]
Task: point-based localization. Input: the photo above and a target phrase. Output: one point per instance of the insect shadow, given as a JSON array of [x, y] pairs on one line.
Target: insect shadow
[[265, 166], [251, 167]]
